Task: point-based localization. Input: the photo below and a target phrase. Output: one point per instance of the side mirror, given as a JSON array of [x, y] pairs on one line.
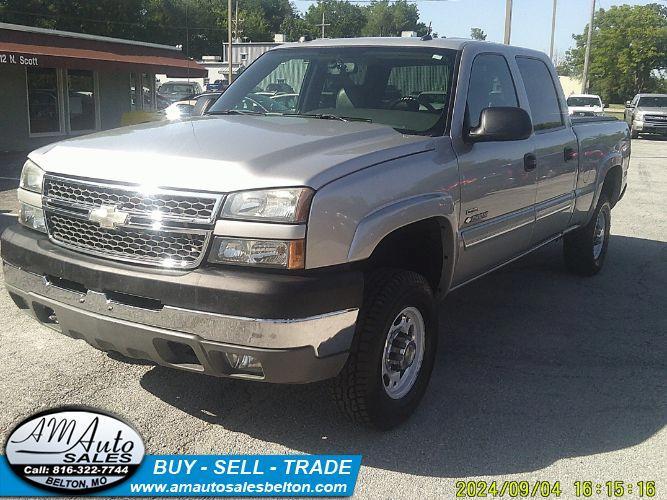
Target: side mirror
[[628, 104], [605, 106], [502, 124]]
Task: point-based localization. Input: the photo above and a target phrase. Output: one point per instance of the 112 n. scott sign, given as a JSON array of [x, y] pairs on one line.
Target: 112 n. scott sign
[[18, 59]]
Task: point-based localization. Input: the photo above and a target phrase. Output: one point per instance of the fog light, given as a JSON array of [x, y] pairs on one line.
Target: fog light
[[32, 217], [244, 363]]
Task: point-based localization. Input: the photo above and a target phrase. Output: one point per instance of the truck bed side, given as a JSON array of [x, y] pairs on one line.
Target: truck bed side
[[604, 148]]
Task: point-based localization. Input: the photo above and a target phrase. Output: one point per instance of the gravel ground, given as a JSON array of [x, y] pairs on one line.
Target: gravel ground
[[540, 375]]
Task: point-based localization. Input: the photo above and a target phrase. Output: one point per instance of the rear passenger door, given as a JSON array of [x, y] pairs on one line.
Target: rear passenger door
[[497, 187], [555, 147]]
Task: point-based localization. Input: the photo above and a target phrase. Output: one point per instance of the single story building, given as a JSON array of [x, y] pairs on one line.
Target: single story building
[[57, 84]]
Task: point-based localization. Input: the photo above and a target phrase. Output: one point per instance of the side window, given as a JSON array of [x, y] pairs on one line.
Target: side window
[[490, 86], [541, 91]]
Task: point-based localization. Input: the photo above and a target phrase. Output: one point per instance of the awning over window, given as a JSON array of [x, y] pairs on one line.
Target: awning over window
[[49, 48]]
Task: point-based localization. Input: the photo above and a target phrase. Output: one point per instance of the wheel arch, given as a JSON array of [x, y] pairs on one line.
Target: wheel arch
[[416, 234]]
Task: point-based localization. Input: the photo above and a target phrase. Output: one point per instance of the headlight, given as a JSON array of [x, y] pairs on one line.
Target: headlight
[[32, 217], [271, 205], [31, 177], [287, 254]]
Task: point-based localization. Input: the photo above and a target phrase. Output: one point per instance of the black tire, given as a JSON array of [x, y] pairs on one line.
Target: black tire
[[578, 246], [634, 134], [359, 389]]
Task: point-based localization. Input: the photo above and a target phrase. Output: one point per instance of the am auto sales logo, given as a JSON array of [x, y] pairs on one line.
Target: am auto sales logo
[[74, 450]]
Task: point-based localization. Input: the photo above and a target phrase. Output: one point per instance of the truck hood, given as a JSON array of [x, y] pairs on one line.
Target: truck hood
[[229, 153], [585, 109]]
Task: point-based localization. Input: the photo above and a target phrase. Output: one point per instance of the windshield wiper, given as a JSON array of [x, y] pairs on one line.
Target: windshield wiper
[[330, 116], [235, 112]]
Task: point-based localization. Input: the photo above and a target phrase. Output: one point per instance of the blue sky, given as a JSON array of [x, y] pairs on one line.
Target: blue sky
[[531, 19]]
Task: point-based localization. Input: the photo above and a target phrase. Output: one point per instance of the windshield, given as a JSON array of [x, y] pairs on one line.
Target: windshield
[[176, 87], [653, 102], [407, 89], [584, 101]]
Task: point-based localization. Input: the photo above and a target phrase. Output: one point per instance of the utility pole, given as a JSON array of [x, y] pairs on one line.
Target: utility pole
[[553, 32], [508, 21], [323, 23], [587, 57], [229, 40]]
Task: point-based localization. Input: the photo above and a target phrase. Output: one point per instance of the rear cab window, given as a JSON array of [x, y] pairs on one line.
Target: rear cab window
[[540, 88]]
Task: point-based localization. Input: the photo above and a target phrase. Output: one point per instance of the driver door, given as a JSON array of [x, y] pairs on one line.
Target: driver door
[[497, 179]]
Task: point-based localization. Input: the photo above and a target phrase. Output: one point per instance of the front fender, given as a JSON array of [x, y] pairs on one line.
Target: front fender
[[350, 216], [377, 225]]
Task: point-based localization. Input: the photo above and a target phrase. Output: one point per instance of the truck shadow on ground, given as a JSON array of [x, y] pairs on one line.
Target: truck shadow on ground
[[535, 365]]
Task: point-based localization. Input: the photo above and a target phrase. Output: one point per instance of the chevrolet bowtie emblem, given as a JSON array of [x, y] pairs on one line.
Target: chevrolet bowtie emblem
[[108, 216]]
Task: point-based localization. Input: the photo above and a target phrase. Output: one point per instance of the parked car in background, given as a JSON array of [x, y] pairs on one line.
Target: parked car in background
[[217, 86], [585, 105], [204, 101], [197, 106], [178, 91], [179, 110], [647, 114]]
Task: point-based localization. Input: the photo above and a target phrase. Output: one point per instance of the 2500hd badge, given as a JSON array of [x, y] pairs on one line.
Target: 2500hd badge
[[74, 449]]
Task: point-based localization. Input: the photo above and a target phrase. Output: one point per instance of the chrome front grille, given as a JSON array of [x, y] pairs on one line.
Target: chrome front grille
[[166, 204], [163, 228], [657, 119], [164, 248]]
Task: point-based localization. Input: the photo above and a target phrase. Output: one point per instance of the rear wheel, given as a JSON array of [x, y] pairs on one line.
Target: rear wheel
[[585, 249], [393, 352]]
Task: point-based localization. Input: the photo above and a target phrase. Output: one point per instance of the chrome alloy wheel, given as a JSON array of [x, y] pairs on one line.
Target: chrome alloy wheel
[[599, 234], [403, 352]]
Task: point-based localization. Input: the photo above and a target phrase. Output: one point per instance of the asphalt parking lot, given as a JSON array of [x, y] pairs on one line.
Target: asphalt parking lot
[[540, 376]]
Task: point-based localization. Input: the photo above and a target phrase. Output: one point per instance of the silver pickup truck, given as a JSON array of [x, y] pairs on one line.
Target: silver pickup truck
[[303, 239]]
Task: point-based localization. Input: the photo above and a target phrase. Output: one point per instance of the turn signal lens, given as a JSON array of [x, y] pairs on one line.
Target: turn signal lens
[[287, 254], [32, 217]]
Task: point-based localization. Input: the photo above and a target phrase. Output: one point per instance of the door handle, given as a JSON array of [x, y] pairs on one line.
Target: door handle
[[569, 154], [529, 162]]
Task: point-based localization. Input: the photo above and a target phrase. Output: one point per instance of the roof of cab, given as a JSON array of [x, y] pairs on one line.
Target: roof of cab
[[395, 41], [434, 43]]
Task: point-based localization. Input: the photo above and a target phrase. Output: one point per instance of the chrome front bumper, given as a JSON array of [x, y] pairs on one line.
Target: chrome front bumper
[[294, 350]]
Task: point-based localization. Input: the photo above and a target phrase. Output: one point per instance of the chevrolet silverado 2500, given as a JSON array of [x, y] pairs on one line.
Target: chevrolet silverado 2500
[[299, 244]]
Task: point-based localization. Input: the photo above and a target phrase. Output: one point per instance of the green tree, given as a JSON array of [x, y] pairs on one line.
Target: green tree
[[390, 19], [295, 27], [477, 34], [345, 19], [628, 51]]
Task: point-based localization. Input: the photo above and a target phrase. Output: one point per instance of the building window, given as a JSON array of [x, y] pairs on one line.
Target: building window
[[43, 101], [81, 99]]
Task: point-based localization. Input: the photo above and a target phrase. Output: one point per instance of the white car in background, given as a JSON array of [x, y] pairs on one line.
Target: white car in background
[[585, 105]]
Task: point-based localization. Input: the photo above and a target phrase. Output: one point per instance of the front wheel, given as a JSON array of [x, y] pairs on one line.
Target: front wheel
[[633, 133], [393, 351], [585, 249]]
